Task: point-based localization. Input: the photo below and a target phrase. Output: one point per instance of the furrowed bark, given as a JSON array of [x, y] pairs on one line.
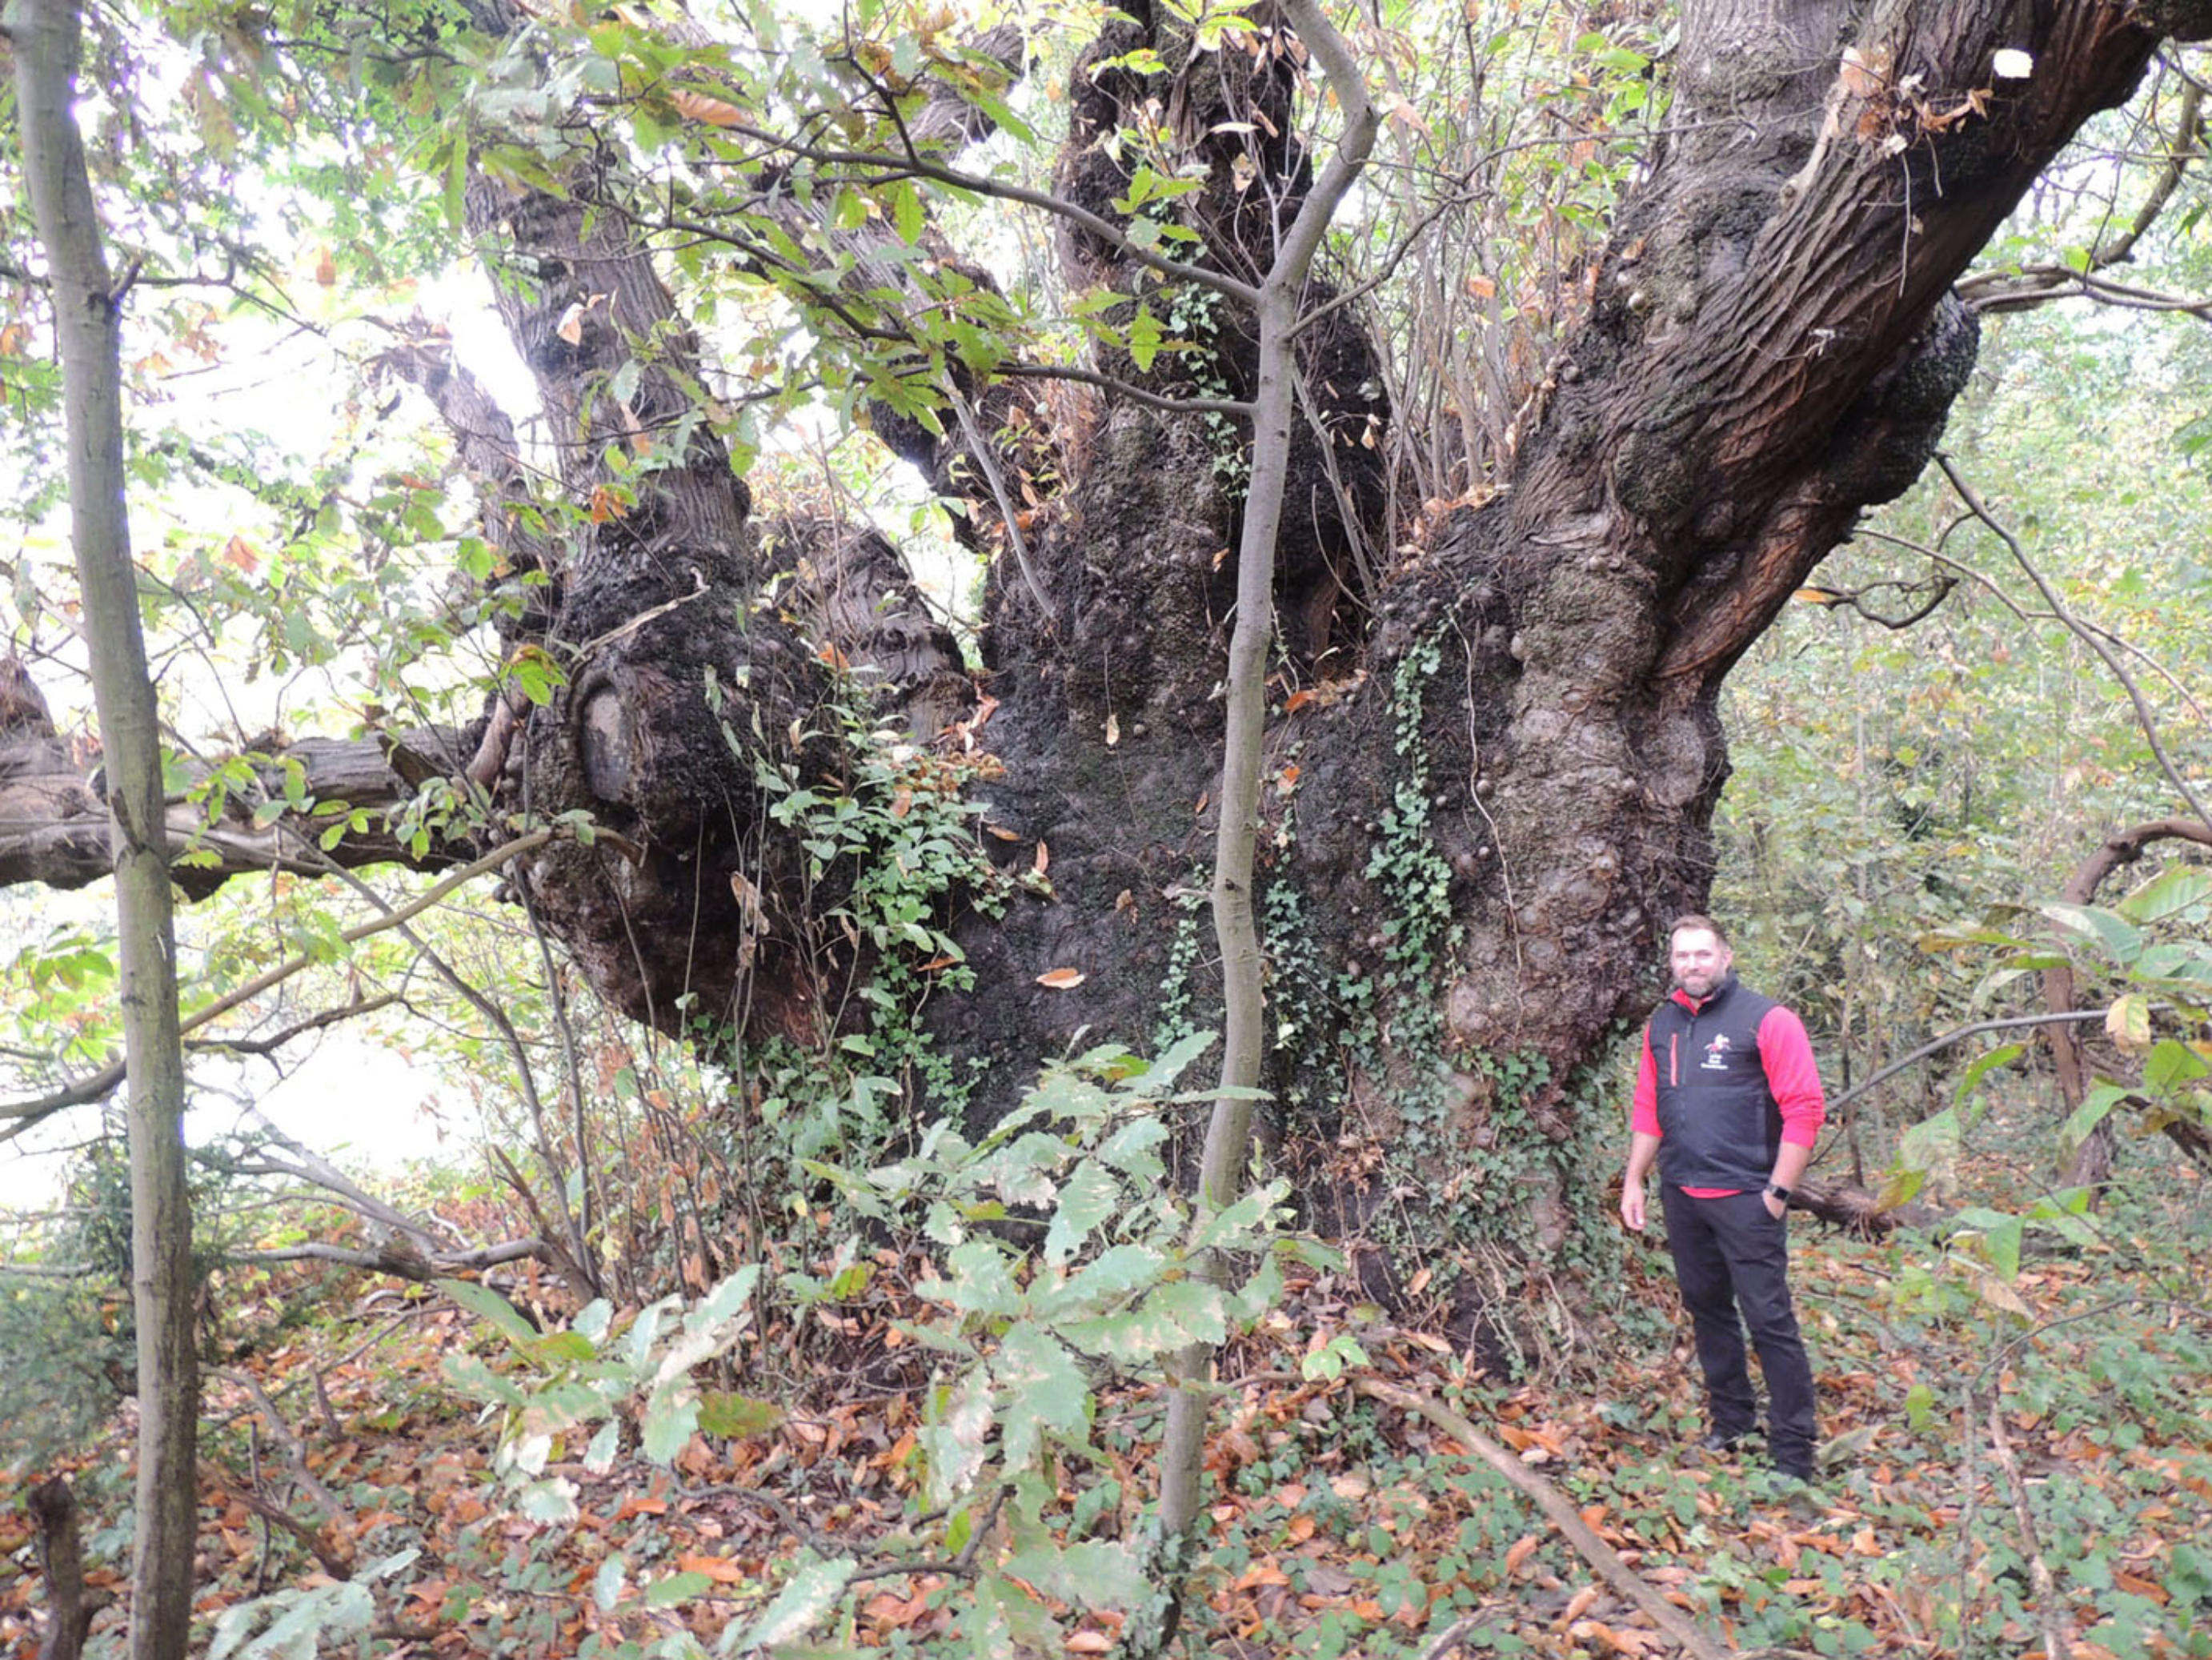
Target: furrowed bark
[[46, 35]]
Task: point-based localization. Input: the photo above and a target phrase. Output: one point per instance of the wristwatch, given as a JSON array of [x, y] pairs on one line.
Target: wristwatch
[[1776, 1191]]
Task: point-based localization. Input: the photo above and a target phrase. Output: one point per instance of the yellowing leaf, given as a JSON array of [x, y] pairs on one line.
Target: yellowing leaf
[[697, 107], [2127, 1023], [571, 325], [1061, 979], [240, 552]]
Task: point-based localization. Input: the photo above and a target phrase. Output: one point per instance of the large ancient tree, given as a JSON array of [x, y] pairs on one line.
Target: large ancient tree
[[1495, 749]]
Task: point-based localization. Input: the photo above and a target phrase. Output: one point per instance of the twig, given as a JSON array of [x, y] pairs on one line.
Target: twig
[[972, 429], [1561, 1515], [2143, 717], [2049, 1610], [28, 1113], [294, 1448], [334, 1561]]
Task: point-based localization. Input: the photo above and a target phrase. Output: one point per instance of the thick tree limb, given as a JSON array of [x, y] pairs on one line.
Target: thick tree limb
[[53, 815]]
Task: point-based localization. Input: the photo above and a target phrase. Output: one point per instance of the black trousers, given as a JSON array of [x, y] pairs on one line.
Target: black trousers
[[1730, 1253]]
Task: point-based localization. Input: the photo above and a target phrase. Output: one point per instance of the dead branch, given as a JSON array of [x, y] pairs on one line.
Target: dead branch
[[1561, 1515], [2050, 1608]]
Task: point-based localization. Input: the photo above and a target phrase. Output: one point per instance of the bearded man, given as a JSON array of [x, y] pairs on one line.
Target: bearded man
[[1728, 1103]]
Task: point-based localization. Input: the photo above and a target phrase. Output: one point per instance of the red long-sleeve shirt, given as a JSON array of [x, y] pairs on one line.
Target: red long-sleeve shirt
[[1785, 1052]]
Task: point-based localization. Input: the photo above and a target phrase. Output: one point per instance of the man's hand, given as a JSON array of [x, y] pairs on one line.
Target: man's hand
[[1775, 1208], [1632, 1203]]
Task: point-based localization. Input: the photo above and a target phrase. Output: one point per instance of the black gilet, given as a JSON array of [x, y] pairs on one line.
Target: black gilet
[[1719, 1124]]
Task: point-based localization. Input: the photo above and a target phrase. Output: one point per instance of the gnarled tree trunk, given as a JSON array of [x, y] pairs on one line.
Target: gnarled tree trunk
[[1495, 783]]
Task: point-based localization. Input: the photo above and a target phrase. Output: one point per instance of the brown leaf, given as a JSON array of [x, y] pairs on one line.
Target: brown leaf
[[697, 107], [1043, 857], [1517, 1553], [240, 552], [1062, 979], [720, 1569], [1003, 833]]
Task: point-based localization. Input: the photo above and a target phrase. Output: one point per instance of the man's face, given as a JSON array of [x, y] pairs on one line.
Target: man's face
[[1699, 962]]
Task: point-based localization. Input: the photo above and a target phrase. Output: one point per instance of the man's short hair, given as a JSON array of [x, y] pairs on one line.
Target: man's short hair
[[1693, 920]]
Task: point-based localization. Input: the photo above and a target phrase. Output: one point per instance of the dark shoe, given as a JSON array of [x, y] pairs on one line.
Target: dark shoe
[[1724, 1440], [1795, 1463]]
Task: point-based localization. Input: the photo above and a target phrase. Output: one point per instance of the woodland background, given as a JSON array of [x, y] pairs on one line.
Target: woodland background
[[685, 1341]]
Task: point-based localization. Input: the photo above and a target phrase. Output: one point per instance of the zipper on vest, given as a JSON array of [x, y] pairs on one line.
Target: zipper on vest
[[1674, 1059]]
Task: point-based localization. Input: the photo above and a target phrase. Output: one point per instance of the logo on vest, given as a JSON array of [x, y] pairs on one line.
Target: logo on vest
[[1717, 1054]]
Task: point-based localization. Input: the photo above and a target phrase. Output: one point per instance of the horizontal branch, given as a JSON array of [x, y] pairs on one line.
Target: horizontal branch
[[54, 823]]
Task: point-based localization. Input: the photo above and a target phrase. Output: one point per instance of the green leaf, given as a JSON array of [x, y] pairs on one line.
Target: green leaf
[[2172, 890], [809, 1595], [677, 1588], [1115, 1272], [1094, 1574], [2121, 942], [1994, 1235], [1196, 1308], [607, 1584], [670, 1418], [1087, 1198], [1044, 1389], [1161, 1075], [736, 1417], [2173, 1063], [1984, 1064], [907, 212], [980, 1281], [1133, 1148], [2095, 1106], [1931, 1146], [490, 1306], [1146, 336], [553, 1499]]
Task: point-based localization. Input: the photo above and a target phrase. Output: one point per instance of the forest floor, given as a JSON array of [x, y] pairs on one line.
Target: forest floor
[[2014, 1463]]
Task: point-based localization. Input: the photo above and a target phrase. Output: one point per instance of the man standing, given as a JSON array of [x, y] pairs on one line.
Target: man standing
[[1729, 1102]]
